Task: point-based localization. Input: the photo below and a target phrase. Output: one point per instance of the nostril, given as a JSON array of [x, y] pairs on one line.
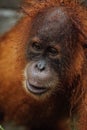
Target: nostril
[[41, 65]]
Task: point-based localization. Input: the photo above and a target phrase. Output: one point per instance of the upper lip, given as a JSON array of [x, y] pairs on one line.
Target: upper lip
[[36, 89]]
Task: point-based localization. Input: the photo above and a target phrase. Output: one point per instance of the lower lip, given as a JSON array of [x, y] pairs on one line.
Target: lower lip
[[35, 90]]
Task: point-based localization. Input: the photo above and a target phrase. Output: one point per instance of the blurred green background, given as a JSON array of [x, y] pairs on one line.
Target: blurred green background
[[9, 3], [8, 14]]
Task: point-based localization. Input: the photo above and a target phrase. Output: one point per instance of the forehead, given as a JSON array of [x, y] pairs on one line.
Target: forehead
[[52, 23]]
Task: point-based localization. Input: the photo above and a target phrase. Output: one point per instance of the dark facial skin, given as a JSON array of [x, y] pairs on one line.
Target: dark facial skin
[[47, 50], [49, 54]]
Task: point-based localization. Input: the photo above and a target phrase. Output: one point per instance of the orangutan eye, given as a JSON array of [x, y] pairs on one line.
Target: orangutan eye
[[36, 46], [52, 51]]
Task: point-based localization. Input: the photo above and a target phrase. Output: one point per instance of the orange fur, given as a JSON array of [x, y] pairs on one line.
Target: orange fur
[[12, 62]]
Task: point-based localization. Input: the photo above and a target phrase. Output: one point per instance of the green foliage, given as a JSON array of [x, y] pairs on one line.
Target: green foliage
[[1, 128]]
